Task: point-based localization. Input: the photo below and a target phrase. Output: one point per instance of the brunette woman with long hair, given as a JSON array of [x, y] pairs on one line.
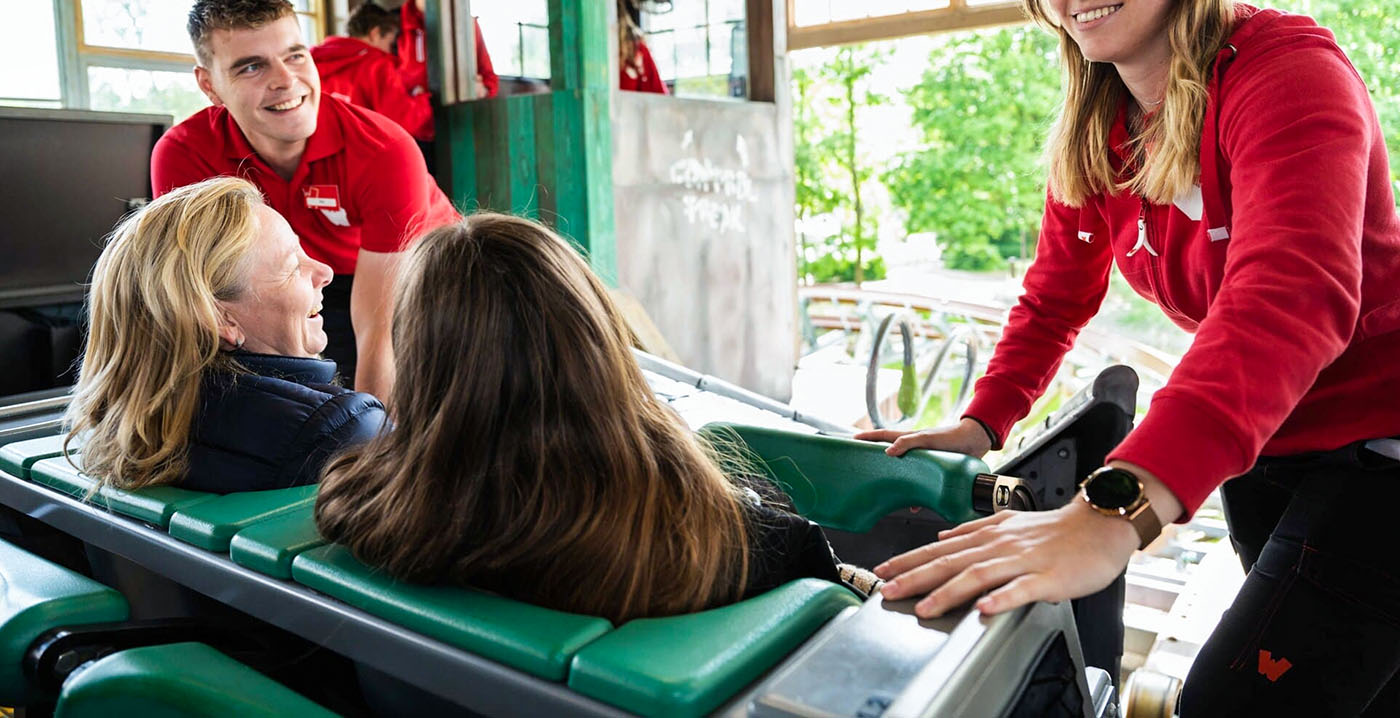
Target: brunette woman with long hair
[[531, 458], [1229, 161]]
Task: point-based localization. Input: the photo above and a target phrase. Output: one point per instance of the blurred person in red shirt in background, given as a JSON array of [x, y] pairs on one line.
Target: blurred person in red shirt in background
[[413, 53], [637, 70], [361, 69]]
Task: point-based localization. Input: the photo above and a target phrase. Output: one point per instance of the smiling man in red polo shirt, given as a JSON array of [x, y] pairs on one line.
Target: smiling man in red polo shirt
[[351, 182]]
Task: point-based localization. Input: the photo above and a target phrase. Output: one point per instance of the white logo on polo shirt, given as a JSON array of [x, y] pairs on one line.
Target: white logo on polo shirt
[[337, 217]]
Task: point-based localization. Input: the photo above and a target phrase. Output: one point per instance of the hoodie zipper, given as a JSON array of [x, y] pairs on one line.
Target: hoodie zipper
[[1155, 276]]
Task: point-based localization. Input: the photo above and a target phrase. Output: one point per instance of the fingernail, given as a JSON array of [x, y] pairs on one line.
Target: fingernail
[[890, 589], [881, 567], [926, 609], [986, 605]]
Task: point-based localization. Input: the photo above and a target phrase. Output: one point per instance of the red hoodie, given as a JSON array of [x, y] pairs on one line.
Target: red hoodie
[[1286, 266], [413, 52], [359, 73], [641, 75]]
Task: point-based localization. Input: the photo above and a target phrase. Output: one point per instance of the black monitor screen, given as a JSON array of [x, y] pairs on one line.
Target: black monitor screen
[[66, 178]]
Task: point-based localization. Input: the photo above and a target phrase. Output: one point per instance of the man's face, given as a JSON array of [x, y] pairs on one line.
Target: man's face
[[266, 79]]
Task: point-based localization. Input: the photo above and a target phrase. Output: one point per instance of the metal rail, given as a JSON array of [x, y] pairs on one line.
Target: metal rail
[[1135, 353], [715, 385], [34, 407]]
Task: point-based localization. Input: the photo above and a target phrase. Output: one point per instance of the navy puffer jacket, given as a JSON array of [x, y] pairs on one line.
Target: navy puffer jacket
[[276, 425]]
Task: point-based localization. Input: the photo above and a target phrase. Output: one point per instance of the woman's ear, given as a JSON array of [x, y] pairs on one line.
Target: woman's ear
[[230, 334]]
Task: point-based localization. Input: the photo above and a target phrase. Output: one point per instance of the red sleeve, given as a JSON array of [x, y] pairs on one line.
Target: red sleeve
[[1298, 129], [400, 200], [175, 165], [651, 77], [483, 64], [413, 56], [391, 99], [1064, 288]]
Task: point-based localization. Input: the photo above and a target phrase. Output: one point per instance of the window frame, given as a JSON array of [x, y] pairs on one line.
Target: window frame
[[76, 56], [957, 15]]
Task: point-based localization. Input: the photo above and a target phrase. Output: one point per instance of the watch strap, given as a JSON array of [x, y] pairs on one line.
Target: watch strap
[[1145, 522]]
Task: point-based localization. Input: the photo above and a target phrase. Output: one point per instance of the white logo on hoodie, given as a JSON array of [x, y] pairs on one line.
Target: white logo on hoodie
[[1191, 203]]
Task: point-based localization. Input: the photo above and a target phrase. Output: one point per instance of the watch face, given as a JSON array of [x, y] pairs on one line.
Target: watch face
[[1113, 489]]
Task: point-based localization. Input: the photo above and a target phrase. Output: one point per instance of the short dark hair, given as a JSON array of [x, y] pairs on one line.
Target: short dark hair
[[369, 16], [209, 15]]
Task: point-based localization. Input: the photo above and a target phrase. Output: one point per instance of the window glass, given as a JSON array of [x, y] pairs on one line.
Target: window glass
[[36, 51], [155, 91], [724, 11], [152, 25], [820, 12], [159, 25], [516, 35], [700, 47], [310, 31]]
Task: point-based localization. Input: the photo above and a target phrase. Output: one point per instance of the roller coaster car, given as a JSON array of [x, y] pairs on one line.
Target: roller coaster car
[[807, 648]]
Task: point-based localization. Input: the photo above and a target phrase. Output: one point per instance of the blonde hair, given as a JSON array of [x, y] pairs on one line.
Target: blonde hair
[[1166, 153], [529, 455], [153, 329]]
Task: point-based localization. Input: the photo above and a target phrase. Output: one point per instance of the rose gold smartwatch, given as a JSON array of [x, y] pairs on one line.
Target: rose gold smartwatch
[[1119, 493]]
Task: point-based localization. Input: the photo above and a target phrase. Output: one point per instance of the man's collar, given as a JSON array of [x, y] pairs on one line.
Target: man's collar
[[324, 142]]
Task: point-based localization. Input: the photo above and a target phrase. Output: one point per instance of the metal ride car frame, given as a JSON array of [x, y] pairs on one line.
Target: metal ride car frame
[[463, 678]]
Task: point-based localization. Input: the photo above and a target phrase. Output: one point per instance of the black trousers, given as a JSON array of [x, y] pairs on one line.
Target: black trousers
[[335, 312], [1315, 629]]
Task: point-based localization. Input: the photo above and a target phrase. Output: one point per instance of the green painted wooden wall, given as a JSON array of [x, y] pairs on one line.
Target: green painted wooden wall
[[547, 156]]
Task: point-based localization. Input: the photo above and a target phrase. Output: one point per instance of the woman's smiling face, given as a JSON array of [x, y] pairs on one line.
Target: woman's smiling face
[[280, 312], [1123, 32]]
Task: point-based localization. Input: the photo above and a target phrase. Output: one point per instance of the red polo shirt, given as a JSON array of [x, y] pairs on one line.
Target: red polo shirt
[[361, 183]]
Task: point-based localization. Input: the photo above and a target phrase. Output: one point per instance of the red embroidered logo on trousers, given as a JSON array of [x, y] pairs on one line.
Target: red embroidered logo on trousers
[[1270, 667]]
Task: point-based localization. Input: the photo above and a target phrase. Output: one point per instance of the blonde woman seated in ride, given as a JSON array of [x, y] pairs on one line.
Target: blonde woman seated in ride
[[529, 456], [201, 364]]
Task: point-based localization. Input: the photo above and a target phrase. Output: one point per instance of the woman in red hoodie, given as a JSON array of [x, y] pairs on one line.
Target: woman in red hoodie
[[1230, 162]]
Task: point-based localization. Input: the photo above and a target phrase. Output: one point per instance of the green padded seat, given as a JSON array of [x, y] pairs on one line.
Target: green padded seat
[[178, 680], [689, 665], [38, 596], [536, 640], [211, 524], [269, 546], [848, 484], [154, 504], [17, 458]]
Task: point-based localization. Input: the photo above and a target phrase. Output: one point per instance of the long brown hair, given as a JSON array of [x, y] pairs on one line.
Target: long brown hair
[[1167, 150], [153, 328], [529, 455]]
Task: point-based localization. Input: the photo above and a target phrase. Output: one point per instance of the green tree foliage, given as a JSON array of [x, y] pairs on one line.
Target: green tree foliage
[[1369, 34], [813, 193], [983, 108], [832, 173]]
